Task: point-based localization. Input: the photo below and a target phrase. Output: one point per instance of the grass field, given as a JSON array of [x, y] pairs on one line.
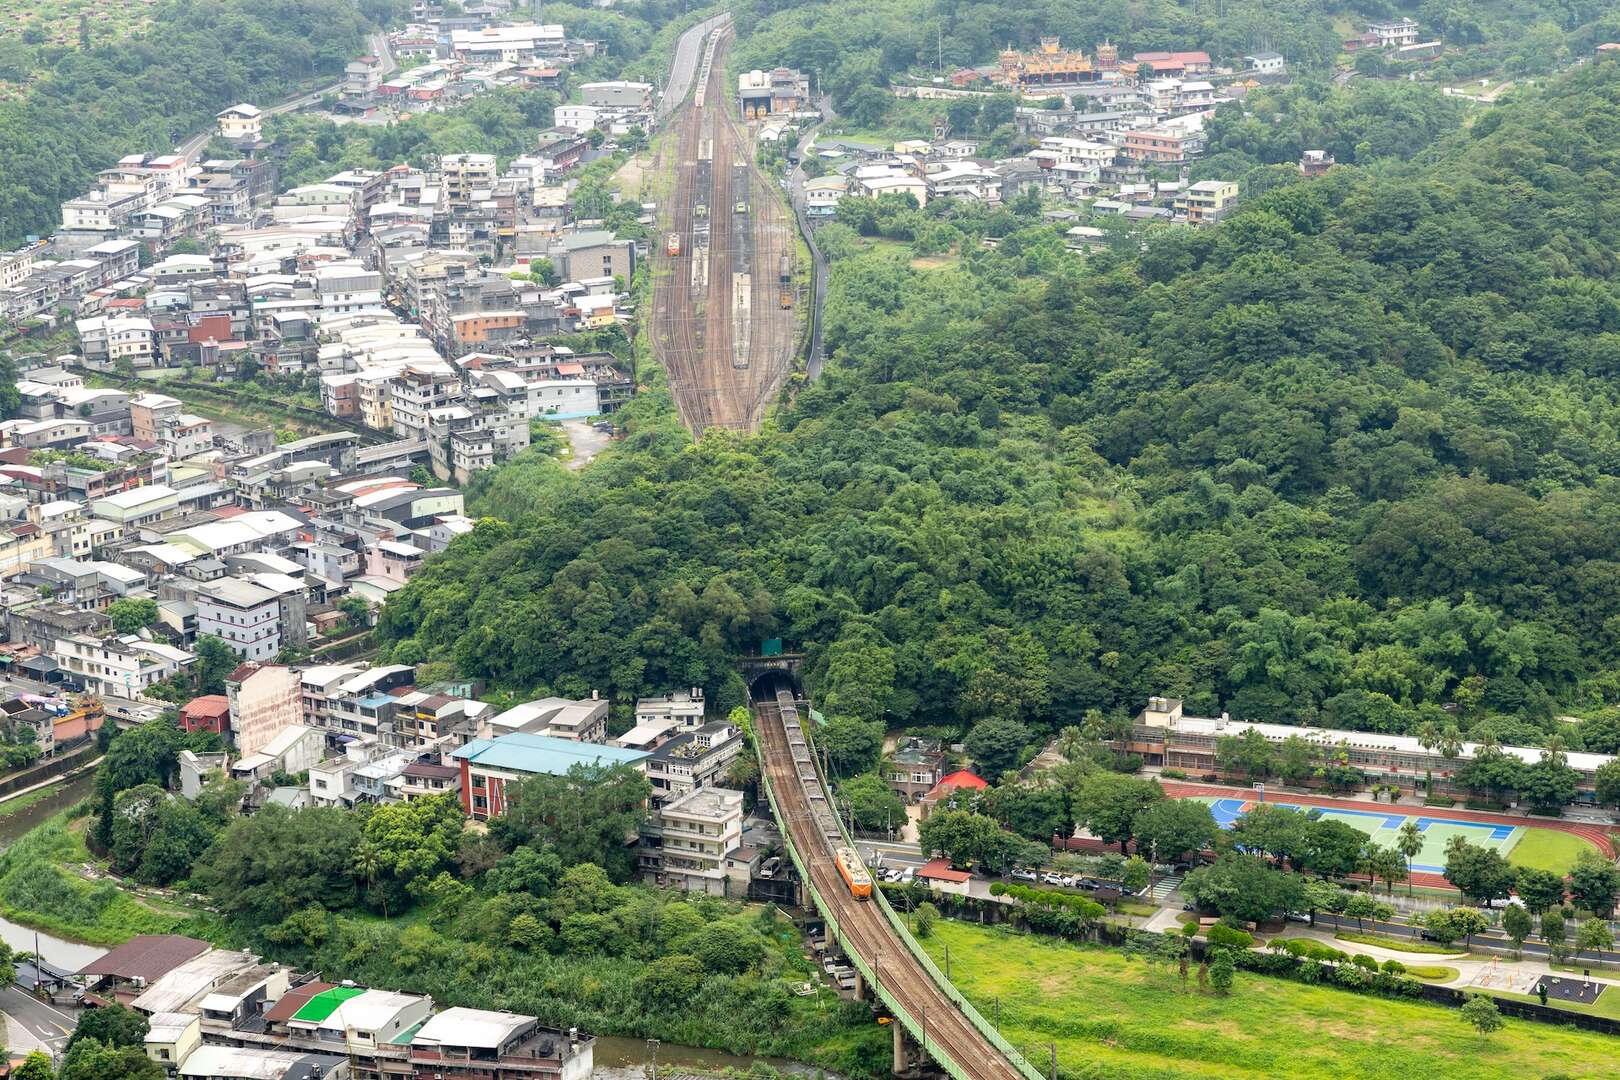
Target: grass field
[[1438, 973], [1112, 1017], [1545, 849]]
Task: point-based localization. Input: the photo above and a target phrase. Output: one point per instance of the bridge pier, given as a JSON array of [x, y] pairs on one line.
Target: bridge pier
[[901, 1065]]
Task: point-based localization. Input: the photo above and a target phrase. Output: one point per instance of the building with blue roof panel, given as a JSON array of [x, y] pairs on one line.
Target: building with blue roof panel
[[487, 765]]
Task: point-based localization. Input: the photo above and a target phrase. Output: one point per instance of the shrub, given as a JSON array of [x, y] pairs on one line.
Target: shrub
[[1225, 935], [1394, 967], [927, 916], [1361, 960], [1351, 977], [1189, 929], [1221, 972], [1173, 774]]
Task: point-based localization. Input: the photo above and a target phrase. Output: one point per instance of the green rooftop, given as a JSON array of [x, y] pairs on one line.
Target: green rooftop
[[325, 1003]]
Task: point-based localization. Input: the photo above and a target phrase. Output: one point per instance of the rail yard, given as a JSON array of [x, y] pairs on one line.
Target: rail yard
[[723, 318]]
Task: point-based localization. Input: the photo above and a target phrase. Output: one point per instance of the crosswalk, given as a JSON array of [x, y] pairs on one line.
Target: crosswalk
[[1165, 886]]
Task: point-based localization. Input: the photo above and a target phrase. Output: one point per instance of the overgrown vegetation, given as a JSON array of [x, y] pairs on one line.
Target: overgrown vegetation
[[89, 106]]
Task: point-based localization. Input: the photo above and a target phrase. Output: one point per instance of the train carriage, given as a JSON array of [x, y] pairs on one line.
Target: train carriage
[[854, 873]]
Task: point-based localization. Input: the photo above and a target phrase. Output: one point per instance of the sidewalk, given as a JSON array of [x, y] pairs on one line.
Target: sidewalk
[[1469, 965]]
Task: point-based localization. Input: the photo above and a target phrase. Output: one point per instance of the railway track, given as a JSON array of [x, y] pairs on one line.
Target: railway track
[[718, 327], [808, 818]]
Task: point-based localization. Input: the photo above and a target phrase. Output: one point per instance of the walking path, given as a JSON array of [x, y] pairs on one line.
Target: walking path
[[1470, 966]]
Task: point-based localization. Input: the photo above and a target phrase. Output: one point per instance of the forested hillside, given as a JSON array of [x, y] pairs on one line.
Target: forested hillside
[[88, 107], [1347, 457], [853, 44]]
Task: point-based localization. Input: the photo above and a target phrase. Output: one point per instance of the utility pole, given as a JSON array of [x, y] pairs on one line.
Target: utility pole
[[1054, 1061], [947, 961]]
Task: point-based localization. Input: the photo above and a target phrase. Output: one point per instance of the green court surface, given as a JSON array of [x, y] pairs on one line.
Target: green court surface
[[1548, 849]]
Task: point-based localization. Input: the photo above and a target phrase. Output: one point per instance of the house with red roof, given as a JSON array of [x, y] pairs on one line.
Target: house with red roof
[[944, 792]]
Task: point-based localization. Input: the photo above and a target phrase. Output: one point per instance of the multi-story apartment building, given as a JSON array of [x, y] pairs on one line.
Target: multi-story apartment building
[[265, 700], [415, 392], [692, 760], [122, 667], [685, 843], [243, 615], [464, 174]]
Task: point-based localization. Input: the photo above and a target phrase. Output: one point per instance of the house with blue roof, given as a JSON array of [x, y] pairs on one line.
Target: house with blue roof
[[488, 765]]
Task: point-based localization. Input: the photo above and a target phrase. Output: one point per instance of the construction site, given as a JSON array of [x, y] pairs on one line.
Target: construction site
[[724, 295]]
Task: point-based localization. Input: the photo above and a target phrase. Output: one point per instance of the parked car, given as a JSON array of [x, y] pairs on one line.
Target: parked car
[[1025, 875], [1052, 878], [770, 866]]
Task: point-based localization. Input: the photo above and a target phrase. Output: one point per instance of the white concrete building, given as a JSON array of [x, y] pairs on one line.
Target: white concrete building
[[243, 615], [686, 842]]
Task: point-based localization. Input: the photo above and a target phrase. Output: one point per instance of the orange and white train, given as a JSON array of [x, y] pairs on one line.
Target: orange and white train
[[672, 244], [854, 873]]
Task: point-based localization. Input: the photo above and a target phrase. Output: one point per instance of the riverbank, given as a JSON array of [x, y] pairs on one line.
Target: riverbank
[[49, 881]]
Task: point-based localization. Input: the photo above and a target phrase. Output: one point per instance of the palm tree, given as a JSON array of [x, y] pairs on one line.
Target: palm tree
[[1409, 842], [1428, 737], [1072, 743], [368, 864], [1556, 751]]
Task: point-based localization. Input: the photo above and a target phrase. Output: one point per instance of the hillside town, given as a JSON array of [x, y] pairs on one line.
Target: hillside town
[[564, 542]]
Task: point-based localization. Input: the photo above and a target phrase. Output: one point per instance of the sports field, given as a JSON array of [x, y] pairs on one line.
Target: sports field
[[1548, 849]]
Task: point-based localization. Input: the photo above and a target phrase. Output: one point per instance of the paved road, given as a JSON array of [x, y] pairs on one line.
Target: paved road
[[379, 46], [818, 262], [688, 52], [32, 1024]]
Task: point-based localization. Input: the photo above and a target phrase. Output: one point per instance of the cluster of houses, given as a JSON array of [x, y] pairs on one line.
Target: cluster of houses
[[357, 733], [107, 495], [219, 1014], [451, 58], [1082, 171], [1120, 127]]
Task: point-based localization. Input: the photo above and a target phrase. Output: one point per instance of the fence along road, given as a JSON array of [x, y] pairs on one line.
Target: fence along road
[[948, 1028]]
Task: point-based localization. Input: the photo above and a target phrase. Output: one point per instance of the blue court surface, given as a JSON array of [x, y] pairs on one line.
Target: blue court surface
[[1382, 827]]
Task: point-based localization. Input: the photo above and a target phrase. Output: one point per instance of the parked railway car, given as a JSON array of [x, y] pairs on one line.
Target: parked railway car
[[853, 871], [784, 270], [672, 244]]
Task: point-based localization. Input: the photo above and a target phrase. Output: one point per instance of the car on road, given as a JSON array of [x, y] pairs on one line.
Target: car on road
[[1052, 878]]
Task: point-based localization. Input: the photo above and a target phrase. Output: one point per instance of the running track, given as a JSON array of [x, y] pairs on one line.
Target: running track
[[1603, 836]]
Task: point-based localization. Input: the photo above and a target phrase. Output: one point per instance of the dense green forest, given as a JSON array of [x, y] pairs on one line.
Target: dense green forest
[[147, 92], [1345, 458]]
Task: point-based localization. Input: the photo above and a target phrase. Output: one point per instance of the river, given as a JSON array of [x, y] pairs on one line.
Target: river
[[58, 951], [619, 1058]]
